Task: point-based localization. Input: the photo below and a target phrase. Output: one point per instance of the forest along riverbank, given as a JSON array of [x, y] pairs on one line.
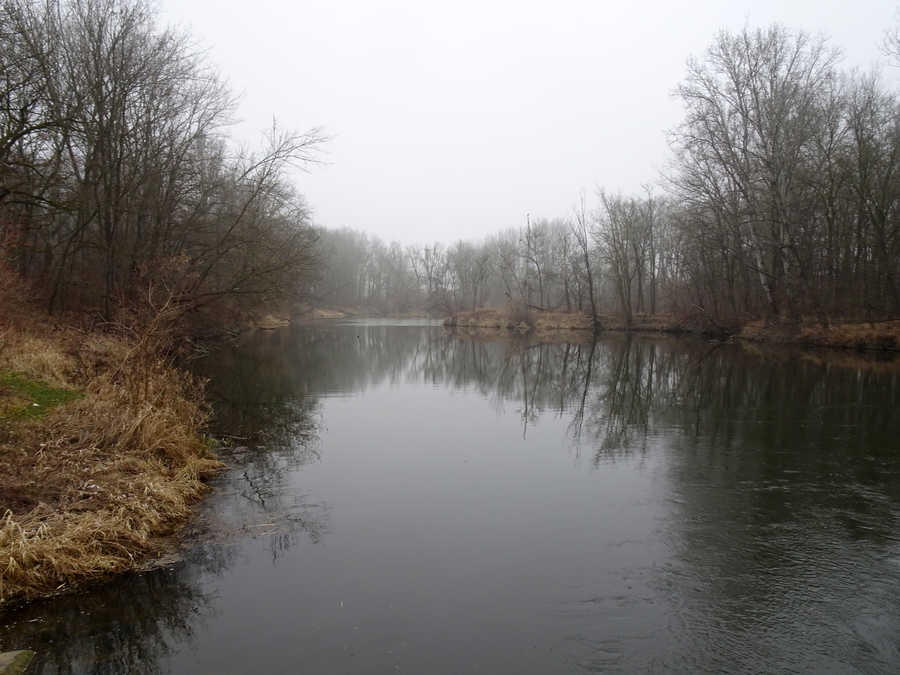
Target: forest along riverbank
[[100, 440], [862, 336]]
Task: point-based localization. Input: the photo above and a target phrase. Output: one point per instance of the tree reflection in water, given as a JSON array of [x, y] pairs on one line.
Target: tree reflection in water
[[614, 390], [776, 459], [128, 625], [133, 623]]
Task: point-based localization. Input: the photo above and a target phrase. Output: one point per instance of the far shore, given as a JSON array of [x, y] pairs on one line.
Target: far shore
[[859, 336], [555, 326]]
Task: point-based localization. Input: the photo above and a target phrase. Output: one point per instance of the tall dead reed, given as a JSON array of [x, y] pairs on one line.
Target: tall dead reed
[[96, 486]]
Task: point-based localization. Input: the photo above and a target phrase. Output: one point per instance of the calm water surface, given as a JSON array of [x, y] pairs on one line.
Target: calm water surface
[[400, 499]]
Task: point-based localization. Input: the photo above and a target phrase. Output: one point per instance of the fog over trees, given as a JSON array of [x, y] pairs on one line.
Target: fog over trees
[[119, 187], [781, 200]]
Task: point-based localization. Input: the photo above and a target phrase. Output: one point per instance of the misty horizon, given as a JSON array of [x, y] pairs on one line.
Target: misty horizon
[[450, 124]]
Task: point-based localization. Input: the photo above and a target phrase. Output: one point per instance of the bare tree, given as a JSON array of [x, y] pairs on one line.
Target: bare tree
[[581, 230], [116, 173], [753, 109]]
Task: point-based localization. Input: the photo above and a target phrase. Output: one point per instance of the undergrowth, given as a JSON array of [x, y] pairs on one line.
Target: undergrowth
[[108, 463]]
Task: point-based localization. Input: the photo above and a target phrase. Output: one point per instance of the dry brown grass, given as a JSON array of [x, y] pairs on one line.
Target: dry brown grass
[[96, 485], [319, 313], [520, 320], [648, 323], [862, 336], [545, 322]]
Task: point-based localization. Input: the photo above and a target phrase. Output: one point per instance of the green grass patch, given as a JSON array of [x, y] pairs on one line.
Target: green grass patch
[[24, 398]]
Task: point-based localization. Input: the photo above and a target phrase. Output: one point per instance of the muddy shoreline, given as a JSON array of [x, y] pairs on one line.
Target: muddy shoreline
[[880, 336]]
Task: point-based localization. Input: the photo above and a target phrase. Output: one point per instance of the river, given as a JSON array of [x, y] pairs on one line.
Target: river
[[403, 499]]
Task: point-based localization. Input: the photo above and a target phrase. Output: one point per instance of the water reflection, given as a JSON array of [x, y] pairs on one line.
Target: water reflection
[[136, 623], [129, 625], [782, 462], [764, 538], [784, 513]]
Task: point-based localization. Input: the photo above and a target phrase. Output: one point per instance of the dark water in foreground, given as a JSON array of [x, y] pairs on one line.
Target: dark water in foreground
[[409, 501]]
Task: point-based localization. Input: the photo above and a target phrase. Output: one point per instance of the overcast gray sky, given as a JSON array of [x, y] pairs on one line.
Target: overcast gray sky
[[455, 119]]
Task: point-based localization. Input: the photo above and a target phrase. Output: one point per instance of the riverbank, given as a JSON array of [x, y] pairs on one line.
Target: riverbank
[[545, 322], [311, 314], [101, 444], [860, 336]]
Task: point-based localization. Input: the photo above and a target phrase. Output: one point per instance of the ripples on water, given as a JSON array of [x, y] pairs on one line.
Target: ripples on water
[[403, 499]]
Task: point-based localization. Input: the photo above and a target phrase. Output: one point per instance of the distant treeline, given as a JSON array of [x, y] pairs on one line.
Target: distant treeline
[[118, 184], [119, 188], [782, 200]]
